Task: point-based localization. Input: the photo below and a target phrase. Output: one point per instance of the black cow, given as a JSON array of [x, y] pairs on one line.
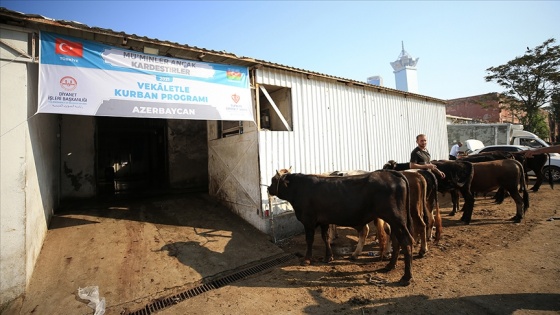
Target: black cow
[[418, 212], [351, 201], [458, 178]]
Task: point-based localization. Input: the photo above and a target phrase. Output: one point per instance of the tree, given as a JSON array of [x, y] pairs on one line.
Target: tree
[[532, 79], [554, 110]]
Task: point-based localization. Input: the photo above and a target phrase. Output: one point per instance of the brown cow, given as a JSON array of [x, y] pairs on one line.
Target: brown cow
[[420, 212], [433, 216], [508, 174], [535, 164]]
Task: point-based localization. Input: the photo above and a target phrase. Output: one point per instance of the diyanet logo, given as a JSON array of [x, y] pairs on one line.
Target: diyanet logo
[[68, 83], [69, 48]]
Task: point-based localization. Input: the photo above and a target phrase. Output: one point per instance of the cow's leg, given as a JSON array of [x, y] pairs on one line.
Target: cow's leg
[[333, 232], [538, 182], [394, 253], [434, 217], [500, 195], [407, 249], [419, 227], [326, 239], [362, 235], [520, 210], [438, 223], [402, 241], [468, 206], [309, 238], [429, 219], [383, 231], [455, 201], [387, 240]]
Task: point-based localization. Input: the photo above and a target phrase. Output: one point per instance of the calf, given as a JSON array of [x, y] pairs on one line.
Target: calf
[[351, 201]]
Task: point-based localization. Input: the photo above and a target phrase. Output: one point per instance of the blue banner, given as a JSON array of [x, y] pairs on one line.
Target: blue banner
[[82, 77]]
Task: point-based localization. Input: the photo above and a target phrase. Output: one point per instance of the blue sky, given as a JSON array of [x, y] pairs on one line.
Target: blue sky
[[456, 41]]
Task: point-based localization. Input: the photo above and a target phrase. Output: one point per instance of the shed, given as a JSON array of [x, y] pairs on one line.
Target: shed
[[313, 122]]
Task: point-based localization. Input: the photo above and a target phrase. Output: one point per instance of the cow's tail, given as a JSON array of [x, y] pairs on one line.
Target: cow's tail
[[406, 195], [523, 185], [437, 215], [407, 205], [549, 170]]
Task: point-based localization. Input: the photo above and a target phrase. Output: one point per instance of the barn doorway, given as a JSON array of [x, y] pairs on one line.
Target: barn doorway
[[131, 155]]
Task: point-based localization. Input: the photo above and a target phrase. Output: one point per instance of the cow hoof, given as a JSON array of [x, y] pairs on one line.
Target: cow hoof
[[421, 254], [389, 267], [328, 260], [353, 258], [467, 221], [516, 219], [306, 262], [405, 281]]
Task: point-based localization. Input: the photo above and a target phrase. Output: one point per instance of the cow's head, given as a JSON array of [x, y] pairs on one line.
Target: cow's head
[[391, 165], [279, 180], [457, 173]]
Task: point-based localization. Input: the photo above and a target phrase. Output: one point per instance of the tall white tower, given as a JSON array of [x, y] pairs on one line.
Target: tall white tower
[[404, 68]]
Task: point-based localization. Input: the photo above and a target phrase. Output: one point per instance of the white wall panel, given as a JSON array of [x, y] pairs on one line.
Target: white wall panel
[[345, 127]]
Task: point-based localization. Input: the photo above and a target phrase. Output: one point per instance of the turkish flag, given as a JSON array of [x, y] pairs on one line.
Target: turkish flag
[[69, 48]]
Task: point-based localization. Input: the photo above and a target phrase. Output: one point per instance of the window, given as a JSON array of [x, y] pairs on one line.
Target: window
[[227, 128], [503, 149], [530, 143], [275, 108]]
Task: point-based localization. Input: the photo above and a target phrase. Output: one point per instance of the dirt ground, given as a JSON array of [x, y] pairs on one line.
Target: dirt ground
[[492, 266], [149, 250]]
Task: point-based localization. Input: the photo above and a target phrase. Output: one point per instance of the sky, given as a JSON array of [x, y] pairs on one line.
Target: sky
[[455, 41]]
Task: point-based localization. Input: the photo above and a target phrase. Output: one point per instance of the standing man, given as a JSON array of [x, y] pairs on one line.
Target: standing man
[[453, 154], [420, 157]]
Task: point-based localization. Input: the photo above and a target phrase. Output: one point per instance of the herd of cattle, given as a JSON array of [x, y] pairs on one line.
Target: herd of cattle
[[402, 203]]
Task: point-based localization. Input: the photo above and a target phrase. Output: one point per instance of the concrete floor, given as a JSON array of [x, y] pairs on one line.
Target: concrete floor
[[137, 249]]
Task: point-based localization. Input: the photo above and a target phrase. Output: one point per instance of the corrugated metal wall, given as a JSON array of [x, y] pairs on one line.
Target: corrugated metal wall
[[346, 127]]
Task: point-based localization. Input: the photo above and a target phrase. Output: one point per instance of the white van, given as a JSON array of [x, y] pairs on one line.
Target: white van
[[526, 138]]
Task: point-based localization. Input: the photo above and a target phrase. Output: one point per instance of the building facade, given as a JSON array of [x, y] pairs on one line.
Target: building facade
[[313, 122], [485, 108]]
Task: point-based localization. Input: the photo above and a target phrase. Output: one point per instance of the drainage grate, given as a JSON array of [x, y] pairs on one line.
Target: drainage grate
[[165, 302]]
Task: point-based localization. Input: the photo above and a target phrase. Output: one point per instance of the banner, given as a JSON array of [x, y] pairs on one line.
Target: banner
[[80, 77]]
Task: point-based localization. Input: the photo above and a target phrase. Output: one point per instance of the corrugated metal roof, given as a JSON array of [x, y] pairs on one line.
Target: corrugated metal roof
[[166, 48]]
